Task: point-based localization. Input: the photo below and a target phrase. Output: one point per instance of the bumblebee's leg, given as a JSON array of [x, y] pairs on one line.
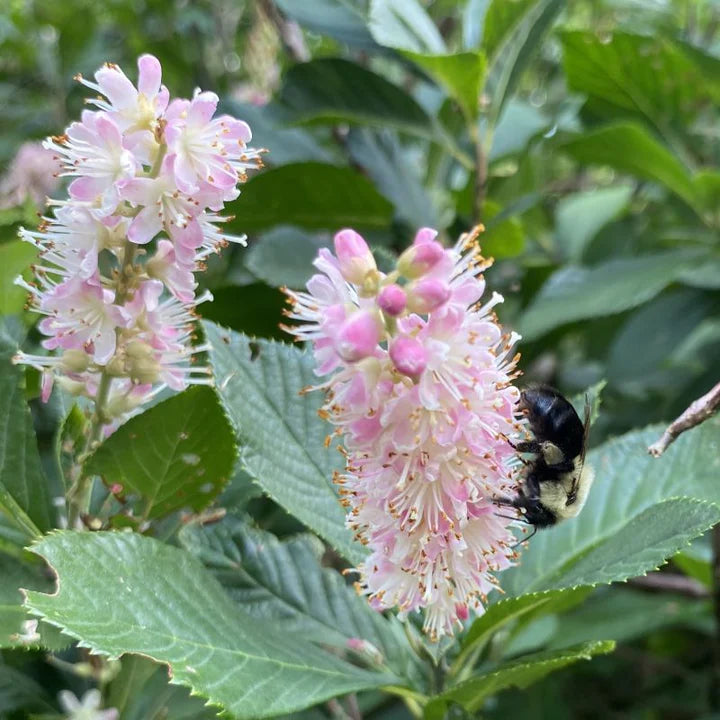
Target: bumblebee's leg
[[528, 446], [563, 467]]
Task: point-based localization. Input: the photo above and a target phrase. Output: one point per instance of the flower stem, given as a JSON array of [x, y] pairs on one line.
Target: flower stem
[[81, 491]]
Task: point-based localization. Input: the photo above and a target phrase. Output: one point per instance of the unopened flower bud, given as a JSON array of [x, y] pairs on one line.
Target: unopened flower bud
[[354, 256], [120, 405], [425, 235], [142, 365], [358, 336], [408, 356], [366, 649], [426, 295], [75, 361], [392, 300], [420, 258]]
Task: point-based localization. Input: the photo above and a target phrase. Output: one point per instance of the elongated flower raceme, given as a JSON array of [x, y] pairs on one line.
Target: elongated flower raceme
[[419, 387], [115, 276]]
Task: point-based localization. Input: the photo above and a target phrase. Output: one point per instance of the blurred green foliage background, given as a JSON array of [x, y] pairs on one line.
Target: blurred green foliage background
[[591, 157]]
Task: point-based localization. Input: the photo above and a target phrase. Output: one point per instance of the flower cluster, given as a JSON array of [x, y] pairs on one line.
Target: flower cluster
[[115, 276], [419, 386]]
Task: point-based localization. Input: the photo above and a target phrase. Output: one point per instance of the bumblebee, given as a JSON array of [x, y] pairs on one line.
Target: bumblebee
[[555, 483]]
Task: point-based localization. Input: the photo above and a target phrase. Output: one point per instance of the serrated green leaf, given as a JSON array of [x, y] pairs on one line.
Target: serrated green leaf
[[628, 147], [260, 382], [313, 196], [512, 34], [576, 293], [178, 454], [24, 495], [640, 511], [15, 258], [462, 75], [521, 673], [335, 90], [404, 25], [125, 593], [579, 217], [283, 583]]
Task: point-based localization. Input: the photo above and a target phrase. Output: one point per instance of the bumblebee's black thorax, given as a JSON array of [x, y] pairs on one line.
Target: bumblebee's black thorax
[[552, 418]]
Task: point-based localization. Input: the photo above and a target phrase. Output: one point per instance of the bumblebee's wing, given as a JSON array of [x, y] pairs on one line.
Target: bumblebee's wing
[[586, 429], [586, 432]]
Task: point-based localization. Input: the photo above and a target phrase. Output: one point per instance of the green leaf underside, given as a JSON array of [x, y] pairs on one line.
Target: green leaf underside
[[520, 673], [333, 90], [575, 293], [283, 583], [125, 593], [311, 195], [641, 510], [259, 382], [24, 493], [177, 454]]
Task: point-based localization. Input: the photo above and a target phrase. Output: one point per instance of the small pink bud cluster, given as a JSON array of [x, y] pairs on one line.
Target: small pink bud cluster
[[419, 386], [115, 276]]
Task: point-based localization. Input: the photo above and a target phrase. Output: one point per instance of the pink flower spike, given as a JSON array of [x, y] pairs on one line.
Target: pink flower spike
[[409, 356], [354, 256], [420, 258], [425, 459], [358, 336], [392, 300], [426, 295]]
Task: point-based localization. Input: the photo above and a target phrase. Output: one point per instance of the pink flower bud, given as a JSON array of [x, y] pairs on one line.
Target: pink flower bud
[[425, 235], [408, 356], [420, 258], [462, 612], [358, 336], [354, 256], [392, 300], [426, 295]]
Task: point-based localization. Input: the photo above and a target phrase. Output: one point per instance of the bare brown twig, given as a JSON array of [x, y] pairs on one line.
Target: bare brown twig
[[699, 411]]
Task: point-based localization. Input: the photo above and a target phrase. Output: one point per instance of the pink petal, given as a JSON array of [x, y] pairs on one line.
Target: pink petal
[[115, 85], [146, 225], [202, 108], [140, 191], [149, 75]]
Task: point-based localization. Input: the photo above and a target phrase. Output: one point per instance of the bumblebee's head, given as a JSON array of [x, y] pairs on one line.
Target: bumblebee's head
[[534, 512]]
